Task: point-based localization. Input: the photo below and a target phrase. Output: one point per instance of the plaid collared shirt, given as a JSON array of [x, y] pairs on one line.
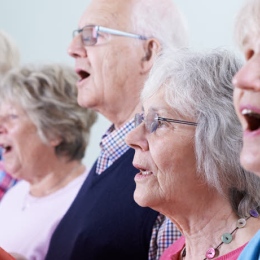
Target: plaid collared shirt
[[113, 146]]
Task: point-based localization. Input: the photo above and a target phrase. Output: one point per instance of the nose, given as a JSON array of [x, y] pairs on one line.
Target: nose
[[248, 77], [76, 48], [136, 138]]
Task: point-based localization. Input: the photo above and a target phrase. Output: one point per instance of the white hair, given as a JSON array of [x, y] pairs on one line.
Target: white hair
[[199, 85], [247, 24], [9, 53], [162, 20]]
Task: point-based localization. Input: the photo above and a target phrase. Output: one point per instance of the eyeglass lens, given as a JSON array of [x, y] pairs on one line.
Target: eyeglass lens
[[139, 118], [151, 121], [89, 35]]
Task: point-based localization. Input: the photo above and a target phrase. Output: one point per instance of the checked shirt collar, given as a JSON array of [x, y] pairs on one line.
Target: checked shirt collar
[[113, 146]]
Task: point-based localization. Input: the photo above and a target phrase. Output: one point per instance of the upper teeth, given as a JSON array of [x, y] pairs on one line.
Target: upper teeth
[[246, 111], [146, 172]]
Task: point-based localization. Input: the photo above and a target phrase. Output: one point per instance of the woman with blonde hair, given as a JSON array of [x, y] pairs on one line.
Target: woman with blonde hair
[[44, 134]]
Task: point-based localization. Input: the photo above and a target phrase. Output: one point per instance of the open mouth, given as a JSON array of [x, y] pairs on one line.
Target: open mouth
[[145, 172], [6, 149], [252, 118], [83, 74]]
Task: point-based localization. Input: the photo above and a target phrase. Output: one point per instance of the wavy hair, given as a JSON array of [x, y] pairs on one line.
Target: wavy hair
[[199, 85], [48, 95]]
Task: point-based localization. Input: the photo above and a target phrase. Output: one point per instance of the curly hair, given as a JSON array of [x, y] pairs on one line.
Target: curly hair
[[48, 94]]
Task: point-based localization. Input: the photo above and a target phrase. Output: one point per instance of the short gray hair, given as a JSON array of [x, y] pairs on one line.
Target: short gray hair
[[161, 20], [48, 95], [199, 84], [247, 24], [9, 53]]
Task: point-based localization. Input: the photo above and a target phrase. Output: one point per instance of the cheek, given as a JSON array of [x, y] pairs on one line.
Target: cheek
[[175, 163], [236, 98], [174, 155], [118, 63], [107, 73]]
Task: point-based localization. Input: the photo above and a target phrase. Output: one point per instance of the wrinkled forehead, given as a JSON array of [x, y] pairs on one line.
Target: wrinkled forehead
[[115, 14]]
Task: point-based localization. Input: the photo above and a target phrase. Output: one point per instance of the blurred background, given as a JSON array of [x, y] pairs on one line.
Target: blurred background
[[43, 30]]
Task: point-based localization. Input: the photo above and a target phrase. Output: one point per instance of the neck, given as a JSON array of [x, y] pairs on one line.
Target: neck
[[56, 178], [209, 235], [121, 117], [204, 223]]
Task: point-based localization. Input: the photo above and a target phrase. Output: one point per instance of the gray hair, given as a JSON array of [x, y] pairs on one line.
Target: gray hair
[[48, 95], [161, 20], [9, 53], [199, 85], [247, 24]]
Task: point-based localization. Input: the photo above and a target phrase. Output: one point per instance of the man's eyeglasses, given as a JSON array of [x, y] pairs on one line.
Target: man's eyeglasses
[[90, 34], [152, 121]]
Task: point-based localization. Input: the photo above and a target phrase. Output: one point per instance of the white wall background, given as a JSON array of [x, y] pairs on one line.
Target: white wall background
[[43, 30]]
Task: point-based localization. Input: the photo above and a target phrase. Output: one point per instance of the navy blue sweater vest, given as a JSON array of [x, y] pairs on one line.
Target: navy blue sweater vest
[[104, 221]]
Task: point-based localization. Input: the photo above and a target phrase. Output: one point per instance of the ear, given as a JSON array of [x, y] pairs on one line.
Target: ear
[[151, 49], [55, 141]]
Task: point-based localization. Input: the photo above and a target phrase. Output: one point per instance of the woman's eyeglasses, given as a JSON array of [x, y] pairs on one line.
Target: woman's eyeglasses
[[90, 33], [152, 121]]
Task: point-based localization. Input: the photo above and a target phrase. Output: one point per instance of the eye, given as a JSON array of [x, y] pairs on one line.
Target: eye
[[161, 123], [89, 40]]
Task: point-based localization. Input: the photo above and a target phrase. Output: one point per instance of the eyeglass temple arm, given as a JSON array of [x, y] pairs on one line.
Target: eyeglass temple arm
[[120, 33], [177, 121]]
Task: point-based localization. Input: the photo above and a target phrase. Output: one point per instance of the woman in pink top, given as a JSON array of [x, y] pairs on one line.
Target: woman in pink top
[[187, 142], [43, 134]]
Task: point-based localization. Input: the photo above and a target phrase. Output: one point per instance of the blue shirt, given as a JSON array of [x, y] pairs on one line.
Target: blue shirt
[[252, 250]]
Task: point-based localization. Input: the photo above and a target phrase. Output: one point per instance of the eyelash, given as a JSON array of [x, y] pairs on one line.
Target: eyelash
[[166, 124], [162, 123]]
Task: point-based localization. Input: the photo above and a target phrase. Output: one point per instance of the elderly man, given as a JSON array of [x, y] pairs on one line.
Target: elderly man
[[114, 50]]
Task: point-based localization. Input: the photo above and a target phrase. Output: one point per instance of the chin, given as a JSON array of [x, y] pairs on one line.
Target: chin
[[250, 163], [83, 101], [142, 199]]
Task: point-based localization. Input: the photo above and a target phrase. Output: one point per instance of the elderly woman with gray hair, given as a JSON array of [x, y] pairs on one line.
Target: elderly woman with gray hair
[[187, 142], [44, 134]]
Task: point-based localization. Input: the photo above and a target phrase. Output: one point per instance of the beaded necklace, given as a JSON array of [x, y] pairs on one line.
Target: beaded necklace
[[226, 238]]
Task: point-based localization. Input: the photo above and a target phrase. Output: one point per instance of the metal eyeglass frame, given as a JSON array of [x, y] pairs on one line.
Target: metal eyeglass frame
[[98, 28], [139, 118]]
